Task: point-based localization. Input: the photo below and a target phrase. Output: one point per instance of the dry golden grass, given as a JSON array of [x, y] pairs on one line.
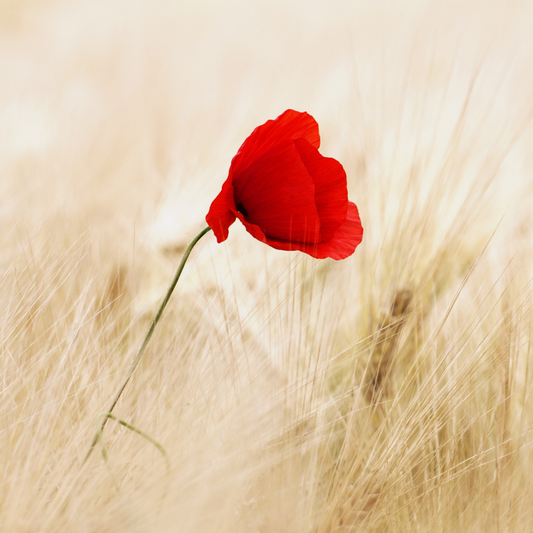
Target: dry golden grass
[[389, 392]]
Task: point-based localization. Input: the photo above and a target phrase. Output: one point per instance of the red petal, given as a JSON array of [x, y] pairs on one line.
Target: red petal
[[222, 212], [288, 126], [345, 239], [343, 244], [331, 193], [277, 194]]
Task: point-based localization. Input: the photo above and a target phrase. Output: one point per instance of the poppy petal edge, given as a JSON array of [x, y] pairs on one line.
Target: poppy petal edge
[[221, 213]]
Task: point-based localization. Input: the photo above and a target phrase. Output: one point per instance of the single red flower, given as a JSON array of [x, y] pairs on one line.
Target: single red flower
[[286, 193]]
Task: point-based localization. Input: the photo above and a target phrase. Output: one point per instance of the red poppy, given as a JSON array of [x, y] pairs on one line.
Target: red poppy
[[286, 193]]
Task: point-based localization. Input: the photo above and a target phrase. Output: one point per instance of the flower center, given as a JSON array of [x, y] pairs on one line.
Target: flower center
[[242, 210]]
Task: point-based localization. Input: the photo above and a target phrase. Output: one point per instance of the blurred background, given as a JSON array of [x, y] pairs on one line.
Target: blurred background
[[389, 392], [145, 103]]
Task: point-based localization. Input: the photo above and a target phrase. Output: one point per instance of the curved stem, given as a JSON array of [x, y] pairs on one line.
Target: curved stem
[[147, 338], [131, 427]]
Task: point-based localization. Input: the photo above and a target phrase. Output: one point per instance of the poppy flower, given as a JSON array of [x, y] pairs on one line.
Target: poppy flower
[[286, 193]]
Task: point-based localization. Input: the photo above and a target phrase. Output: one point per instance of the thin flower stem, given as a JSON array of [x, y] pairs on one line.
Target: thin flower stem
[[131, 427], [146, 340]]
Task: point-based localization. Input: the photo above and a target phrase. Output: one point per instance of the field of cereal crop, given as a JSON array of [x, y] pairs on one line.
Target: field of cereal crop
[[388, 392]]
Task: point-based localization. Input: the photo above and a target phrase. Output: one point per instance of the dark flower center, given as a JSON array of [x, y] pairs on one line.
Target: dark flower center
[[241, 210]]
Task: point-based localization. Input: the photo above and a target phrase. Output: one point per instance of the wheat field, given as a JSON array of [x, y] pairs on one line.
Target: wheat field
[[389, 392]]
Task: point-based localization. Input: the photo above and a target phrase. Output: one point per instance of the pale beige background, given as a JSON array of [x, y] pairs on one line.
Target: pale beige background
[[389, 392]]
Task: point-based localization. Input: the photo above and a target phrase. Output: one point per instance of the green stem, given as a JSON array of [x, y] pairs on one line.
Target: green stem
[[146, 340], [131, 427]]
